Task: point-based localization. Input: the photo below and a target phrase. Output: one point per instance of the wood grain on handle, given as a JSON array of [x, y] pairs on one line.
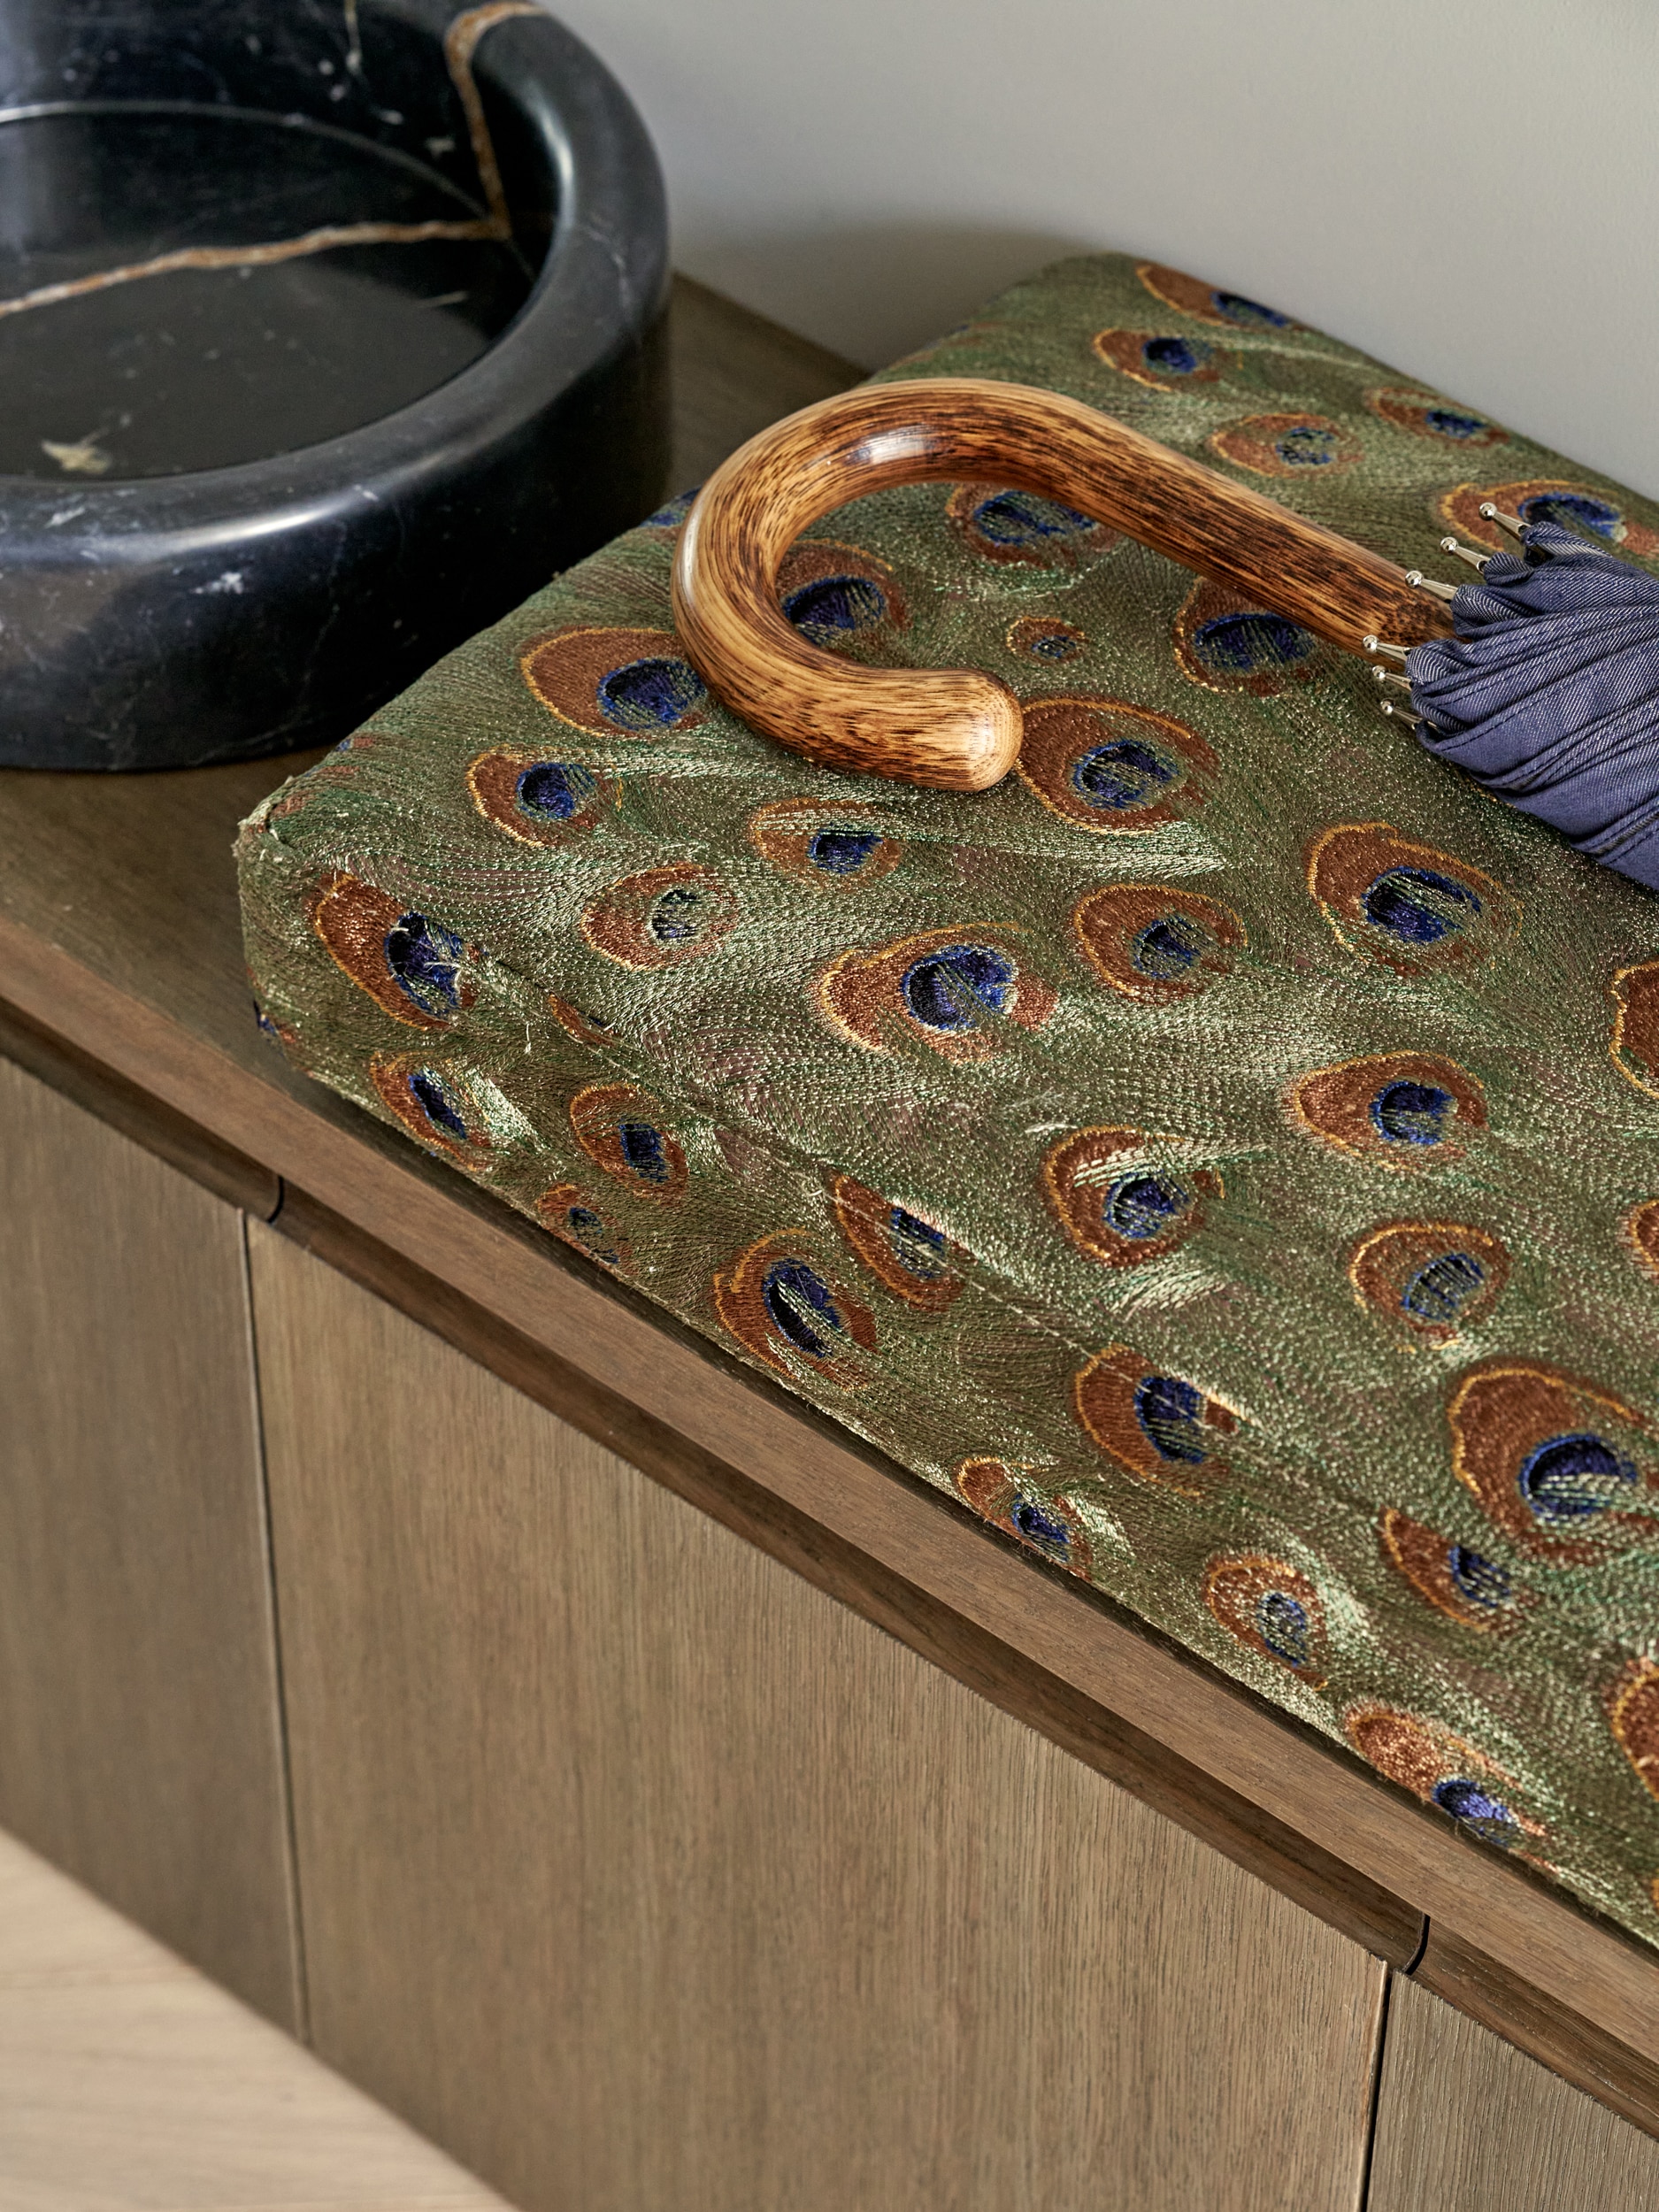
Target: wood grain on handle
[[959, 729]]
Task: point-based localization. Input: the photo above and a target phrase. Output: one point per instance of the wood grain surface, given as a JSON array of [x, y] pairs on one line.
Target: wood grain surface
[[645, 1878], [128, 2083], [1464, 2123], [119, 934], [1504, 1997], [139, 1743], [1280, 1855], [959, 729]]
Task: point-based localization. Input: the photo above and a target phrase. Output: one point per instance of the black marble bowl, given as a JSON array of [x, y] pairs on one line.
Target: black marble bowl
[[297, 393]]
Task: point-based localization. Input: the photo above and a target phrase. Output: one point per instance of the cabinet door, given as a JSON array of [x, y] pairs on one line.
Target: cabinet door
[[1466, 2123], [647, 1878], [139, 1740]]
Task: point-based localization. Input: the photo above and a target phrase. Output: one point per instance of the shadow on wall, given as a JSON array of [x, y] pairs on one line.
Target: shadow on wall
[[881, 288]]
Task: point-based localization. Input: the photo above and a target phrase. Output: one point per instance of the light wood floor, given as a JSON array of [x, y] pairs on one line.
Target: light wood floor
[[130, 2084]]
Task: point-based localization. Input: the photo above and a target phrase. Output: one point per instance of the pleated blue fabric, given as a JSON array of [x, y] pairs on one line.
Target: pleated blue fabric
[[1548, 695]]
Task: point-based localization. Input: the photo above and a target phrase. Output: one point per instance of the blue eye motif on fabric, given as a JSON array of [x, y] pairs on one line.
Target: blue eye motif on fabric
[[1144, 1205], [1155, 944], [1022, 529], [1288, 445], [800, 1305], [1595, 515], [1121, 777], [1408, 906], [952, 988], [786, 1307], [1177, 357], [586, 1226], [1444, 1287], [626, 1132], [1429, 1280], [1208, 303], [553, 790], [1119, 1205], [650, 694], [917, 1246], [1476, 1581], [1562, 1468], [1169, 1413], [1571, 1478], [835, 608], [1168, 950], [538, 801], [957, 995], [611, 683], [1226, 645], [1010, 518], [1041, 637], [1007, 1496], [436, 1102], [839, 597], [1574, 511], [842, 851], [1418, 906], [1040, 1525], [1159, 1427], [1250, 314], [662, 917], [1271, 1609], [426, 958], [1443, 1770], [411, 966], [1412, 1113], [1251, 644], [1487, 1817], [1281, 1622], [833, 847], [915, 1260], [1425, 416], [1456, 1579], [1162, 362], [1110, 767], [1307, 446], [1403, 1110]]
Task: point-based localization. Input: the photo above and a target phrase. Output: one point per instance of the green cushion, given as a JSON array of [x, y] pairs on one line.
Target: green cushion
[[1226, 1153]]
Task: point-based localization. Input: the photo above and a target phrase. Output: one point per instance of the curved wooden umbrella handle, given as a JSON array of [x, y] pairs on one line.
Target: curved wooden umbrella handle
[[959, 729]]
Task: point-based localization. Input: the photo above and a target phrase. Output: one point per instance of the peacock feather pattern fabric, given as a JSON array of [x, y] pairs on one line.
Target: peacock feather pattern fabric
[[1226, 1154]]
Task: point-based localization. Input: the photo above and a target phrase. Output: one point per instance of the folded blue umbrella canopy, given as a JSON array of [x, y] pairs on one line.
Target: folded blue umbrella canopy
[[1548, 694]]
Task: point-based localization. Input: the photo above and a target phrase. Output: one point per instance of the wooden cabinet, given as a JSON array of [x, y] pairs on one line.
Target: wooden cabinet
[[1465, 2123], [645, 1877], [139, 1744]]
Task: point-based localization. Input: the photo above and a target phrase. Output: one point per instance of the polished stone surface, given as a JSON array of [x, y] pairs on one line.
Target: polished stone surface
[[202, 368], [298, 395]]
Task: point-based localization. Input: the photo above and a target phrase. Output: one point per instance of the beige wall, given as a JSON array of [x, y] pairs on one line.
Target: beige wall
[[1468, 188]]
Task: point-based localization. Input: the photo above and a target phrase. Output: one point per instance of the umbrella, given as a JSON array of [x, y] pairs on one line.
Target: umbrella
[[1541, 679], [1548, 694]]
